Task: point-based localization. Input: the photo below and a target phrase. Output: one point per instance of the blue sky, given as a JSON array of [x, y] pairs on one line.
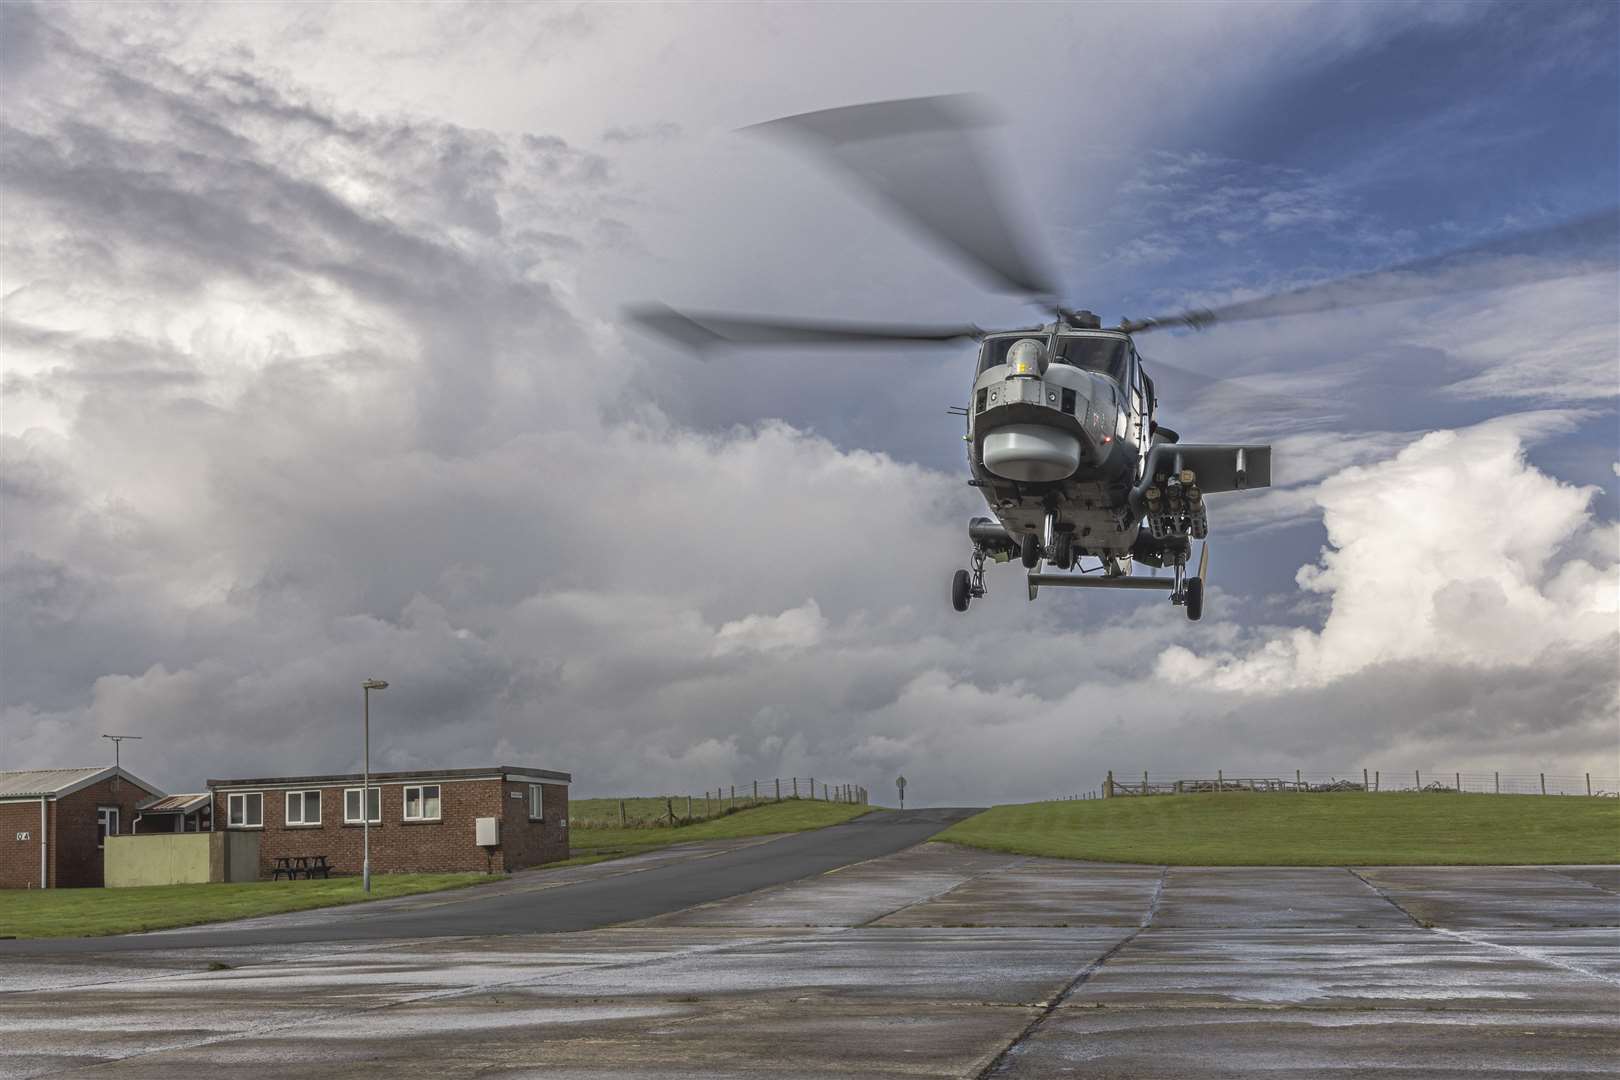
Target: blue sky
[[315, 370]]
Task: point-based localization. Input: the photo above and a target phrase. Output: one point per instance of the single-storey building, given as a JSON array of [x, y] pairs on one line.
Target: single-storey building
[[53, 823], [189, 812], [499, 818]]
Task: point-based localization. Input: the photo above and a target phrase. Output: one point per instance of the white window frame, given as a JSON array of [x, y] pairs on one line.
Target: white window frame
[[304, 803], [355, 820], [537, 802], [421, 798], [106, 824], [232, 813]]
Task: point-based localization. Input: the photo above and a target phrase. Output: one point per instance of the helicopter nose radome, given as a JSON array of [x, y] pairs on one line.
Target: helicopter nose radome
[[1031, 452]]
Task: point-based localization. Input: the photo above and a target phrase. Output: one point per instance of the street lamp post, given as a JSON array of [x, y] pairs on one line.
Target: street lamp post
[[365, 788]]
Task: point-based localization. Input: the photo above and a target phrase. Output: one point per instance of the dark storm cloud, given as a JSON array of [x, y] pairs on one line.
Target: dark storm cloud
[[297, 395]]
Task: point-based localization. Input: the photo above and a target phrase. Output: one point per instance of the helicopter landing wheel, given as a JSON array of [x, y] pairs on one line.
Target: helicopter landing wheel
[[1031, 551], [1195, 598], [961, 591], [1063, 557]]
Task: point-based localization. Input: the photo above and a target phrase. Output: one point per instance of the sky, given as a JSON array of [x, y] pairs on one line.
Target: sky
[[313, 368]]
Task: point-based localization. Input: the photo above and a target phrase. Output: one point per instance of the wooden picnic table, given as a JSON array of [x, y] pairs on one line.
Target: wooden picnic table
[[296, 866]]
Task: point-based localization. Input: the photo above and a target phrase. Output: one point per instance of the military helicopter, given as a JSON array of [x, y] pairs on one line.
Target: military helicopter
[[1062, 437]]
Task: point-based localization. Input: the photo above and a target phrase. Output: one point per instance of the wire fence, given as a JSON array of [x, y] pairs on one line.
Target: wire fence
[[671, 811], [1368, 780]]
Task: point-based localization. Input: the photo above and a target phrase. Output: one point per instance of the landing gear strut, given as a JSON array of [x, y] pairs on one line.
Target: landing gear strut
[[967, 586], [1188, 592]]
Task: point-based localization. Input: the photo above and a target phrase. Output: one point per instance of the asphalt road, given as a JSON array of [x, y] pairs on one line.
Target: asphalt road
[[557, 901]]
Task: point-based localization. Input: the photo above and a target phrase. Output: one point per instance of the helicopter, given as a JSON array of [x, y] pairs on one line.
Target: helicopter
[[1062, 434]]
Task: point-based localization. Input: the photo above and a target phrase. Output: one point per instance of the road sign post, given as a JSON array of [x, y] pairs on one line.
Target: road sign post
[[900, 785]]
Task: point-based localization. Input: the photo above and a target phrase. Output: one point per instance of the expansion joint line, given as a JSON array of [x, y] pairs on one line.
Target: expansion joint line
[[1001, 1060], [1388, 899]]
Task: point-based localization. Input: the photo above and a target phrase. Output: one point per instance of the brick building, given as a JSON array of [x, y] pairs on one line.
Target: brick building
[[53, 821], [420, 821]]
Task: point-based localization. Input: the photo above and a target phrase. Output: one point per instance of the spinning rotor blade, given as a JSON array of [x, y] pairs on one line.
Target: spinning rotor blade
[[1583, 246], [701, 331], [920, 157]]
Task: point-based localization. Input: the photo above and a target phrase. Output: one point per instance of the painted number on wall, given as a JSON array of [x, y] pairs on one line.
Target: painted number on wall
[[24, 835]]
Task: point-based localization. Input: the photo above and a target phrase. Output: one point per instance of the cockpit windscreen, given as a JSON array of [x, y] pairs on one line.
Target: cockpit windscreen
[[1102, 354]]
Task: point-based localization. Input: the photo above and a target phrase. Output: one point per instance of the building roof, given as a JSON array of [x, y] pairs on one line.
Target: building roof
[[490, 772], [55, 783], [175, 804]]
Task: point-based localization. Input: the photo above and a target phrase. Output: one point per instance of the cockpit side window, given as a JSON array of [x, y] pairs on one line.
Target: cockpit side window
[[994, 351]]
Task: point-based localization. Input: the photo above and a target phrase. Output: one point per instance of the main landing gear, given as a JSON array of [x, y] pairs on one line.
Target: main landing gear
[[967, 586], [1189, 591]]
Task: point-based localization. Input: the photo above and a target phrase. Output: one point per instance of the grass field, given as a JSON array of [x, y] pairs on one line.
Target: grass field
[[789, 815], [92, 912], [645, 810], [1336, 829]]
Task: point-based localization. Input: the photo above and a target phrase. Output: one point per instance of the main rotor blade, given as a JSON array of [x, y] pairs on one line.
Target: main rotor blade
[[920, 157], [700, 330], [1582, 246]]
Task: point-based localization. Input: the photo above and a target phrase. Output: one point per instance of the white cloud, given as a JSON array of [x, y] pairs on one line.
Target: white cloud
[[298, 394]]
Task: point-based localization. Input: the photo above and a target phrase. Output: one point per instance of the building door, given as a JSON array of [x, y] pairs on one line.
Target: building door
[[106, 823]]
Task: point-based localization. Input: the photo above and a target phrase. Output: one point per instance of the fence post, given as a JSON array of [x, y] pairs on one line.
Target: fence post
[[707, 812], [1364, 786], [1144, 781], [795, 787], [689, 809], [1220, 781], [669, 805], [812, 787], [1499, 781], [621, 813], [1544, 783], [1589, 783], [1108, 785], [1297, 781], [1417, 775], [778, 789], [756, 791], [1459, 782]]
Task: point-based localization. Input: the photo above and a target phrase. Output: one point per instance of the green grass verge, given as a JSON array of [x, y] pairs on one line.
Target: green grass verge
[[650, 811], [1332, 829], [41, 913], [790, 815]]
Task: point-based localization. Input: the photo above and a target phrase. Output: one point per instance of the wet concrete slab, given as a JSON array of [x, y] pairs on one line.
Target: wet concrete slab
[[852, 895], [1603, 877], [1241, 896], [935, 962], [1041, 892], [1296, 1044], [1400, 968], [689, 1037], [1462, 897], [1594, 950]]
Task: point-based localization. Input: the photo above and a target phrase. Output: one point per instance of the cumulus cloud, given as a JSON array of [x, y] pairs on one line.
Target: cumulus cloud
[[296, 395]]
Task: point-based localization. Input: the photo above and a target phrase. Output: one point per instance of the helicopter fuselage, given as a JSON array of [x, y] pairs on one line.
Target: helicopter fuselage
[[1068, 440]]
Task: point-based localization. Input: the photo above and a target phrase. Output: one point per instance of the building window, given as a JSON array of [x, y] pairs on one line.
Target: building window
[[304, 807], [422, 803], [106, 823], [351, 805], [537, 809], [245, 810]]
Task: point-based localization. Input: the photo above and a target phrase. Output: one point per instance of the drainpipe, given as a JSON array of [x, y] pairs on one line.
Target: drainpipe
[[44, 879]]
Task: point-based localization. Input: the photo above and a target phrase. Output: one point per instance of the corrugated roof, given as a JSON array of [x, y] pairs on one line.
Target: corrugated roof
[[175, 803], [34, 783]]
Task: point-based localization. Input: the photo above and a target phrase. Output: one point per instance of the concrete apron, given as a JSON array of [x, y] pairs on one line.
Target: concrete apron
[[938, 961]]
